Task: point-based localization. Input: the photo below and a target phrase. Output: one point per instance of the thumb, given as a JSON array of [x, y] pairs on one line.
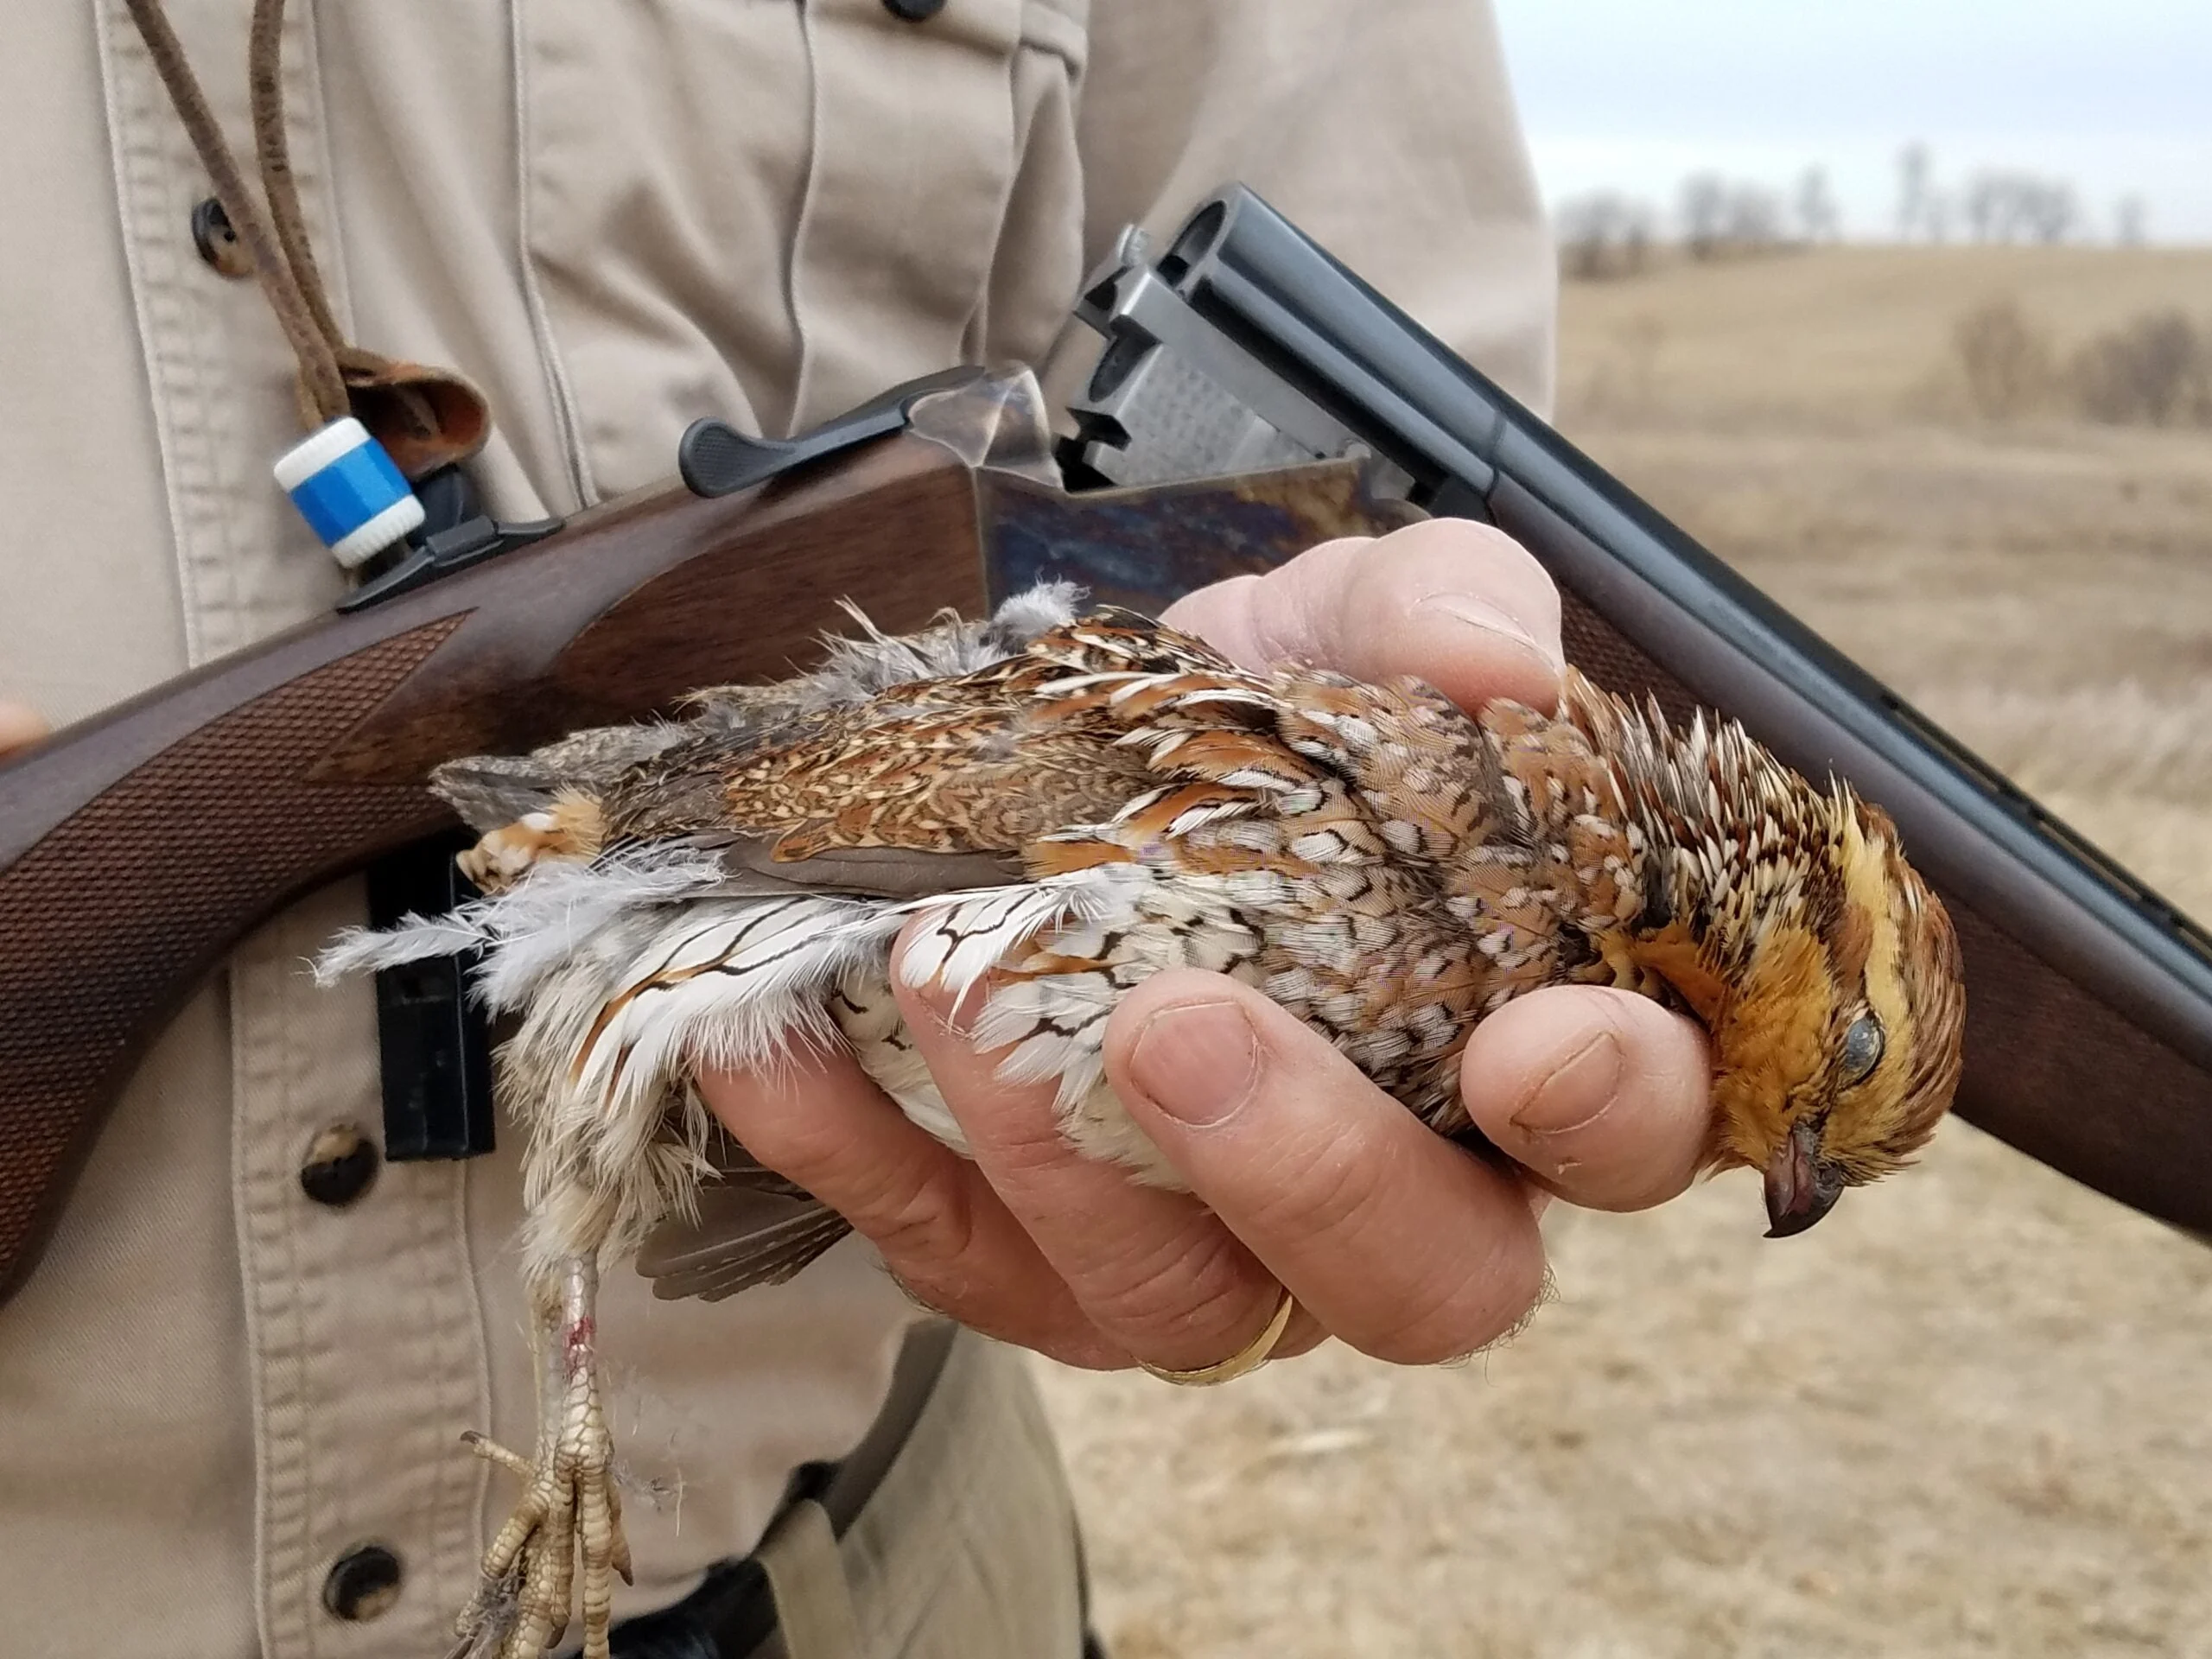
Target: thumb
[[1603, 1096]]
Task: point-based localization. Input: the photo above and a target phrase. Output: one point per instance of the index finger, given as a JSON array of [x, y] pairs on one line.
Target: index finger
[[20, 725], [1457, 604], [1395, 1239]]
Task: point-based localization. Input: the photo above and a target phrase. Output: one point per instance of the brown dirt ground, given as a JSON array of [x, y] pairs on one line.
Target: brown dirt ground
[[1967, 1415]]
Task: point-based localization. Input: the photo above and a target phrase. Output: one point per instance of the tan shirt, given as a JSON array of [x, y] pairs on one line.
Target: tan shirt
[[614, 218]]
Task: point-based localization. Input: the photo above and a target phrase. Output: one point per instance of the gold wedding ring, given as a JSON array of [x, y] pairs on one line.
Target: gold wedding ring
[[1246, 1360]]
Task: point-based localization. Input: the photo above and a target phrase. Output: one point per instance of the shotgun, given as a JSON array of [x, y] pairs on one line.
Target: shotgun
[[1251, 397]]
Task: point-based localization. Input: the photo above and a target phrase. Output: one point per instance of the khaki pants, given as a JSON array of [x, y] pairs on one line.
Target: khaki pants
[[967, 1549]]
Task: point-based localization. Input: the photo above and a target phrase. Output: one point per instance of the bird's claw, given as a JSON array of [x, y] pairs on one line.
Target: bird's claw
[[567, 1526]]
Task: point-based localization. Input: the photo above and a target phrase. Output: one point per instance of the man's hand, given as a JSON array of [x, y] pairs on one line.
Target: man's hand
[[19, 726], [1303, 1175]]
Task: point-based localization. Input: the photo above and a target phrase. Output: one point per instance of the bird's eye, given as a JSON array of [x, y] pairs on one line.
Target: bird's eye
[[1862, 1048]]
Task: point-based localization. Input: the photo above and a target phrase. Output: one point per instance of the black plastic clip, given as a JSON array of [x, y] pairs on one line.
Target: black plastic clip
[[455, 533], [432, 1038]]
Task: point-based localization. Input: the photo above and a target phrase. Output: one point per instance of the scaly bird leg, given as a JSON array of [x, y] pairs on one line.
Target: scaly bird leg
[[568, 1507]]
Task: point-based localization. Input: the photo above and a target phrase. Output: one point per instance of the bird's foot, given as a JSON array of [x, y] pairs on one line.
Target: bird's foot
[[568, 1524], [571, 829]]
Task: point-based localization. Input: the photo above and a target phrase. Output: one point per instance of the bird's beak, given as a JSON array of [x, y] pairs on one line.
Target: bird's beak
[[1802, 1187]]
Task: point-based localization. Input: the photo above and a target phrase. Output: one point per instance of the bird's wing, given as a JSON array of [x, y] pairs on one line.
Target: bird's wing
[[748, 1226], [972, 764], [491, 789]]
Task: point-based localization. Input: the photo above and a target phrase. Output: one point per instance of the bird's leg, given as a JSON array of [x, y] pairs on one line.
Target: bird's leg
[[522, 1598], [568, 1507]]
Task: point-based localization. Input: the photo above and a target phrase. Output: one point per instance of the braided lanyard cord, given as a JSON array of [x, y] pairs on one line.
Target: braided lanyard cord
[[373, 423], [282, 263]]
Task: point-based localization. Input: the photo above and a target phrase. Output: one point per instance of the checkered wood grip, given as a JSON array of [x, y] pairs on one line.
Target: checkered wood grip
[[108, 921]]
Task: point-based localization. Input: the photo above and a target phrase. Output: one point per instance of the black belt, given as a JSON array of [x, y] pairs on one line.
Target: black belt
[[732, 1612]]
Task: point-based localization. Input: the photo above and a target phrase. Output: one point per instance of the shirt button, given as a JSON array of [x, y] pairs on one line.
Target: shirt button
[[913, 11], [217, 241], [362, 1583], [339, 1166]]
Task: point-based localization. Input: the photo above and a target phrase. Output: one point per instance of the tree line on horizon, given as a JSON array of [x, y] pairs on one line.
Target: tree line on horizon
[[1612, 233]]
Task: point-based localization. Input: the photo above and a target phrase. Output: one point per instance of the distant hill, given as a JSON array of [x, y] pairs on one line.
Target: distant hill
[[1856, 332]]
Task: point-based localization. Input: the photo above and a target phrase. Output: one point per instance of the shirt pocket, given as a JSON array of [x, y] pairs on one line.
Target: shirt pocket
[[944, 187], [770, 211], [663, 148]]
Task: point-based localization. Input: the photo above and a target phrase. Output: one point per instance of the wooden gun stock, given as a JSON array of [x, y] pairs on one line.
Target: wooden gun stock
[[136, 849]]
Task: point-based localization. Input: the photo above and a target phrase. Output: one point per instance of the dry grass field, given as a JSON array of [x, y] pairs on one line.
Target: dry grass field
[[1971, 1414]]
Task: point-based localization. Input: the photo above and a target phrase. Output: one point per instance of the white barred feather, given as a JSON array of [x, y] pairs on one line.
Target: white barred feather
[[967, 937], [633, 975], [725, 985]]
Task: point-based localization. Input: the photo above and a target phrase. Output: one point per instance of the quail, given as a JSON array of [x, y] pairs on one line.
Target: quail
[[1052, 804]]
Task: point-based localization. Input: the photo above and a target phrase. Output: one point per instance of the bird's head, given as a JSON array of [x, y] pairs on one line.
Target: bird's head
[[1836, 1049], [1786, 918]]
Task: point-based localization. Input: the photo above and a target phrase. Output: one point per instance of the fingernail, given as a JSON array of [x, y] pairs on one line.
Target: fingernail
[[1495, 619], [1577, 1092], [1197, 1063]]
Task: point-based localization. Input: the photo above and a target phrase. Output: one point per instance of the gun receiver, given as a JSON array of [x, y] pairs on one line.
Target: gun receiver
[[2089, 1004]]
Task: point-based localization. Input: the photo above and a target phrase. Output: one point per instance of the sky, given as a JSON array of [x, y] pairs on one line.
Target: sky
[[2114, 95]]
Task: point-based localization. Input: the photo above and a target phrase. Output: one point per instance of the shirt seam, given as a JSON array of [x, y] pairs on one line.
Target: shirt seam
[[175, 385], [560, 390], [808, 209]]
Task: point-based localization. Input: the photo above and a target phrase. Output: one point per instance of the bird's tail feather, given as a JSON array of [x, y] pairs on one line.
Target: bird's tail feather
[[528, 929]]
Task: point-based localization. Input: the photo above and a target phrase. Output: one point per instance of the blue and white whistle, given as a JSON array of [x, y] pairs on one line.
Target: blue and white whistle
[[347, 489]]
